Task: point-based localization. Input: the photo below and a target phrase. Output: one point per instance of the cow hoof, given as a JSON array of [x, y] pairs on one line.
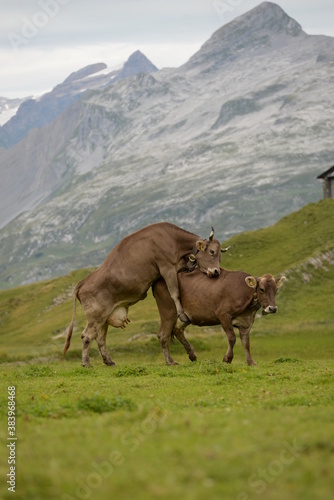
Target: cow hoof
[[109, 362], [193, 357], [86, 365], [184, 318], [227, 360]]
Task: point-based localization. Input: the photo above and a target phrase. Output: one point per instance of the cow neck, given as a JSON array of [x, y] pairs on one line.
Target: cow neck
[[255, 301], [187, 240], [189, 260], [191, 263], [194, 250]]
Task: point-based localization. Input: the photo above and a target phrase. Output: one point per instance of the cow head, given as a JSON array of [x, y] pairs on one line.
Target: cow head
[[265, 289], [208, 255]]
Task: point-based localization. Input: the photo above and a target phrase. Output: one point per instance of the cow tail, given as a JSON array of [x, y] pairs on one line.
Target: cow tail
[[70, 328]]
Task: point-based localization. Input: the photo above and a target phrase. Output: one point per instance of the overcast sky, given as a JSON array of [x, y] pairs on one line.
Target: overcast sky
[[43, 41]]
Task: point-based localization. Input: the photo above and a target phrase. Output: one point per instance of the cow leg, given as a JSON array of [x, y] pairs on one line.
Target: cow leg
[[179, 334], [227, 325], [101, 340], [93, 331], [244, 337], [171, 281], [87, 337], [164, 335], [231, 341]]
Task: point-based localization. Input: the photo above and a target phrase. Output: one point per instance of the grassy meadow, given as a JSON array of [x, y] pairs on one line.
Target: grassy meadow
[[203, 430]]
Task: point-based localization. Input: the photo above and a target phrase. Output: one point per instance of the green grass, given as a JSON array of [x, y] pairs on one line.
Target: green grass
[[195, 431], [144, 430]]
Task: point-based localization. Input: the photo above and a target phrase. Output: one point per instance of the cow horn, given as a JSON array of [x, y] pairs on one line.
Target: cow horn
[[225, 249], [212, 234]]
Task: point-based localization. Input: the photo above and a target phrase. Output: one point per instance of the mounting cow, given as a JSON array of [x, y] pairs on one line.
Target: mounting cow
[[158, 250], [231, 300]]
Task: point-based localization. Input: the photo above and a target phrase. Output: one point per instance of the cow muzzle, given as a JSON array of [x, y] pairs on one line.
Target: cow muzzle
[[269, 310], [213, 272]]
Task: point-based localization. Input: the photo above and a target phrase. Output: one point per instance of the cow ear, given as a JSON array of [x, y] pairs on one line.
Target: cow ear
[[280, 281], [251, 281], [201, 245]]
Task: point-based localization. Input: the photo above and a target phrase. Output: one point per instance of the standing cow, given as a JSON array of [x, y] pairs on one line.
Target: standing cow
[[158, 250], [231, 300]]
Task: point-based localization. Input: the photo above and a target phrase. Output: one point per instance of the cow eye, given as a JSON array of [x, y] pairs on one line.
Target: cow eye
[[262, 290], [212, 252]]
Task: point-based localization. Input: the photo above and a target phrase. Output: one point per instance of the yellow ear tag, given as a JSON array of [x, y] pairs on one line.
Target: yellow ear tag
[[251, 281]]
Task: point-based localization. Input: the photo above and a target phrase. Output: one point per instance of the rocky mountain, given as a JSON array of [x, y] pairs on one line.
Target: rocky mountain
[[135, 65], [234, 138], [36, 113], [43, 136]]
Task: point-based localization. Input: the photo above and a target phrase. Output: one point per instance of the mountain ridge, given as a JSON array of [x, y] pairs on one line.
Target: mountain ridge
[[89, 70], [253, 30], [36, 113]]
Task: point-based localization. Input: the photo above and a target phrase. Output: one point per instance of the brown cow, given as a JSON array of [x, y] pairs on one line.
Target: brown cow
[[231, 300], [130, 269]]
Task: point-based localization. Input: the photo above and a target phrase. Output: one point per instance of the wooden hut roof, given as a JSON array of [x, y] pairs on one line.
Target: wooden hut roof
[[328, 173]]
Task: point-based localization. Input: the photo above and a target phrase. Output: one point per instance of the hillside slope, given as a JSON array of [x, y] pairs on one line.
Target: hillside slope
[[33, 318], [292, 241]]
